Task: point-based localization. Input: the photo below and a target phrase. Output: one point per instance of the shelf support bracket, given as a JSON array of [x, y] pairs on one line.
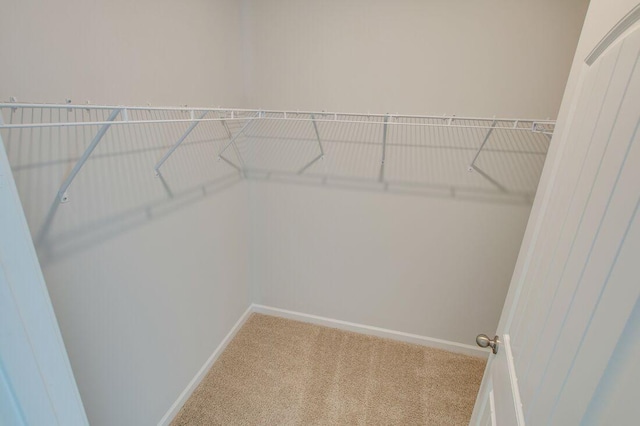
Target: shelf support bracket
[[177, 144], [231, 163], [315, 128], [232, 141], [489, 178], [241, 169], [62, 192], [384, 148], [309, 164], [472, 166], [321, 156]]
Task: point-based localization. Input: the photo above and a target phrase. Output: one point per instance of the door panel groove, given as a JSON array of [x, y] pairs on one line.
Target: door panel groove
[[558, 269], [562, 315], [595, 310], [555, 236]]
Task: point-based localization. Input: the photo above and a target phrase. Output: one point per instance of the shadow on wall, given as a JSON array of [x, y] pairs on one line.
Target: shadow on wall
[[117, 189], [405, 155]]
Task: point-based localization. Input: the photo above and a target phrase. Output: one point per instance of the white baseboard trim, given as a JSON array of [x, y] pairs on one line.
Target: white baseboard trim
[[314, 319], [373, 331], [193, 384]]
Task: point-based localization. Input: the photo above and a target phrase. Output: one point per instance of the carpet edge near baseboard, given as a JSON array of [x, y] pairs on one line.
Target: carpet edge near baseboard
[[384, 333], [200, 375], [431, 342]]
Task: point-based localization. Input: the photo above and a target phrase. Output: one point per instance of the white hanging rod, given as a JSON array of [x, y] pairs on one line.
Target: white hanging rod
[[113, 123], [91, 106], [264, 111], [542, 126], [119, 115], [536, 126]]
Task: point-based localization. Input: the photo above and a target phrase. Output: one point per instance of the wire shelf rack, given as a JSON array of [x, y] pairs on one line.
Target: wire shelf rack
[[449, 154]]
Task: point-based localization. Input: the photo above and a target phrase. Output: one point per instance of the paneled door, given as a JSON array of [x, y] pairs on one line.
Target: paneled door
[[574, 293]]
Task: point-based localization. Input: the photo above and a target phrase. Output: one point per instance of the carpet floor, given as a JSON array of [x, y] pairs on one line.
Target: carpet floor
[[283, 372]]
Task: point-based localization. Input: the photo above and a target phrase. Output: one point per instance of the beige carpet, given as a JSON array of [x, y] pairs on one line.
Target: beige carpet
[[283, 372]]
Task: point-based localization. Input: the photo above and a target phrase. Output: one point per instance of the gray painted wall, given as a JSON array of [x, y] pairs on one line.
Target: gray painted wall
[[146, 282], [433, 264], [144, 285]]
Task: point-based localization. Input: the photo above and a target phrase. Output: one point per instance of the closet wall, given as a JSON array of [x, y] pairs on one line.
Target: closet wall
[[464, 57], [145, 285], [121, 52], [148, 275], [434, 264]]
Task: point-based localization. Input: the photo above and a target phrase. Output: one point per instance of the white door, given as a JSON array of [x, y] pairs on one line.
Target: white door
[[37, 386], [577, 282]]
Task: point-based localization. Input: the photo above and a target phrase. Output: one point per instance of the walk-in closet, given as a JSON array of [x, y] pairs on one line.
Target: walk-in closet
[[279, 212]]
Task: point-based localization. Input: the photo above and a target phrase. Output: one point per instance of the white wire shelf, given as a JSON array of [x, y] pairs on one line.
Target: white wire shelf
[[503, 155], [226, 114]]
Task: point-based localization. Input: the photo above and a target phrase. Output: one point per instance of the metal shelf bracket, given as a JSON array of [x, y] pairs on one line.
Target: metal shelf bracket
[[232, 141], [472, 167], [319, 157], [63, 197], [384, 147], [178, 142]]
